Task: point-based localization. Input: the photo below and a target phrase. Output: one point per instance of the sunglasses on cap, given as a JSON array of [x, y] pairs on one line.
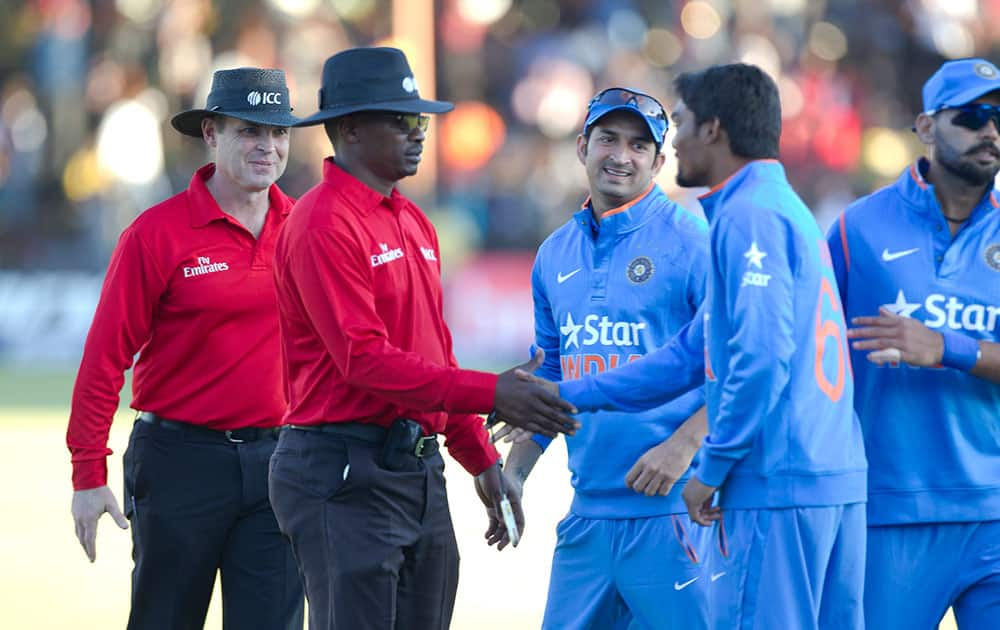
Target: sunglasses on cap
[[975, 115], [646, 104]]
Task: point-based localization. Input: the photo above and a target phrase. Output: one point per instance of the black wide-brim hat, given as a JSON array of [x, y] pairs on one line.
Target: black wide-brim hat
[[253, 94], [370, 79]]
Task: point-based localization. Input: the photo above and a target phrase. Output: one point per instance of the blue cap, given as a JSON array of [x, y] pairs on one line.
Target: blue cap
[[959, 83], [657, 124]]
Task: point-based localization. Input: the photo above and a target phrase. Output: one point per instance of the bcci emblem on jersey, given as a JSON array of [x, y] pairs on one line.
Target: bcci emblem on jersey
[[640, 270], [993, 256]]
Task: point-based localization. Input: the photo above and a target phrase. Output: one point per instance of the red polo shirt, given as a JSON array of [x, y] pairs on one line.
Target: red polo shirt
[[191, 290], [362, 330]]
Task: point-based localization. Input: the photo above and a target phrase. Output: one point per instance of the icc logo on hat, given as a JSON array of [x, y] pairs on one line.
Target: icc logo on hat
[[255, 98]]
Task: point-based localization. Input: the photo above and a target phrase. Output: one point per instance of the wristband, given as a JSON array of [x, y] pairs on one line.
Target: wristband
[[960, 351]]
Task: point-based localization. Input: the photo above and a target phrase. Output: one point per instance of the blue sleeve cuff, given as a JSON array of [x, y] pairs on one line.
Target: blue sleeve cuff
[[712, 470], [582, 394], [541, 440], [961, 352]]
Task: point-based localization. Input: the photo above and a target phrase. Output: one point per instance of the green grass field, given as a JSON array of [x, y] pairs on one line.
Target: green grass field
[[47, 582]]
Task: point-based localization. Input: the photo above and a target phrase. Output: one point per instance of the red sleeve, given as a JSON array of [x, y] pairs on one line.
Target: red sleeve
[[335, 287], [469, 443], [121, 326]]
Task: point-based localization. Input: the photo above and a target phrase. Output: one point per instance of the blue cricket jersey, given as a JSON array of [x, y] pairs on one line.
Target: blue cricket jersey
[[932, 435], [606, 295], [782, 429]]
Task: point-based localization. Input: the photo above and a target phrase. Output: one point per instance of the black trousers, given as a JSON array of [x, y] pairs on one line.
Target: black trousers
[[198, 506], [376, 548]]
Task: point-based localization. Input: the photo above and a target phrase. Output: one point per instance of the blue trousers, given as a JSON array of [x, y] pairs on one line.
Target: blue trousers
[[790, 569], [915, 572], [638, 573]]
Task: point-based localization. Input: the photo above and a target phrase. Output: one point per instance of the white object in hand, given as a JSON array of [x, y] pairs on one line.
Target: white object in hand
[[509, 522]]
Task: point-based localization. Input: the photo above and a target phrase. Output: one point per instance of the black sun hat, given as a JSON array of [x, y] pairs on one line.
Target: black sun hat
[[370, 79], [253, 94]]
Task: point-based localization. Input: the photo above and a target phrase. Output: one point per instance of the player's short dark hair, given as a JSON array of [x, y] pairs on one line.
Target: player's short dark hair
[[744, 99]]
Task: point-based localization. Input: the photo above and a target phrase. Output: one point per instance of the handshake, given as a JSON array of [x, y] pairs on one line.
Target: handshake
[[532, 404]]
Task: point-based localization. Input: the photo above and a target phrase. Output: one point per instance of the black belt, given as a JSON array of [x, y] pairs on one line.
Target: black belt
[[371, 433], [234, 436]]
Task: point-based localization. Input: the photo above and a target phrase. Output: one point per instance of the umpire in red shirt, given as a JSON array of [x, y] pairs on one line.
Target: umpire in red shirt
[[191, 289], [357, 480]]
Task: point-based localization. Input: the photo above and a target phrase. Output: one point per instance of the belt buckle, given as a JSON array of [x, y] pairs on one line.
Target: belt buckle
[[234, 440]]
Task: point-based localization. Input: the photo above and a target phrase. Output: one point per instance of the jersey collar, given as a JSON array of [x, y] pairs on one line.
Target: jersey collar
[[623, 218], [912, 184], [204, 209], [364, 199], [757, 169]]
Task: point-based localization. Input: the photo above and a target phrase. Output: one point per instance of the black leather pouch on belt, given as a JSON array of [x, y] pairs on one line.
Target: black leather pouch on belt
[[398, 451]]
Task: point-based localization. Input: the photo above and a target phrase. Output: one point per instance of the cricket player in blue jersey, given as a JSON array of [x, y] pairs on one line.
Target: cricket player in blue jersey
[[784, 447], [616, 281], [918, 266]]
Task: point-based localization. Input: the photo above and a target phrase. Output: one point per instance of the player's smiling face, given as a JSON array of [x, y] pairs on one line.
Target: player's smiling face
[[620, 158], [972, 155]]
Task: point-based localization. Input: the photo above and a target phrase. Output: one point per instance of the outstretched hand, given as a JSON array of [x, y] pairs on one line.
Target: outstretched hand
[[531, 403], [511, 435]]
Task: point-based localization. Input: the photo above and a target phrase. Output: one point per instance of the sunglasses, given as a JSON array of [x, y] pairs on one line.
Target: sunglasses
[[975, 115], [408, 123], [646, 104]]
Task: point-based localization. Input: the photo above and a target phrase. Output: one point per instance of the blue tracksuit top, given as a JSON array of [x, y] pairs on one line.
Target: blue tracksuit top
[[772, 350], [932, 435], [605, 296]]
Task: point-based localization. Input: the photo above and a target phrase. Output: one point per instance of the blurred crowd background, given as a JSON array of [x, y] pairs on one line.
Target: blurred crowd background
[[87, 90]]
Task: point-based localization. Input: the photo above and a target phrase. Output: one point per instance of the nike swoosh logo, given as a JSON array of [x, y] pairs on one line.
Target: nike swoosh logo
[[561, 278], [680, 586], [716, 576], [888, 256]]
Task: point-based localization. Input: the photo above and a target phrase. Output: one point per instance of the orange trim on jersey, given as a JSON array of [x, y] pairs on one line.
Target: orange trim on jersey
[[917, 177], [625, 207], [718, 187], [993, 200], [843, 242]]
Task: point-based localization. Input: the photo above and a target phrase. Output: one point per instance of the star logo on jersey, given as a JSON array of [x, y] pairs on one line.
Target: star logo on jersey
[[901, 307], [571, 331], [754, 256]]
